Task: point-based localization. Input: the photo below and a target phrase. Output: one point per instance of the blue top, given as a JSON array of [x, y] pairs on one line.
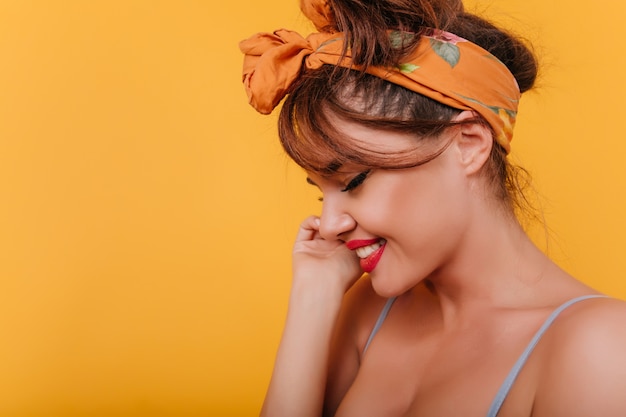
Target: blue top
[[503, 392]]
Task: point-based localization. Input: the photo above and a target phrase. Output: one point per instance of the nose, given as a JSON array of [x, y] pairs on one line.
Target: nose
[[335, 220]]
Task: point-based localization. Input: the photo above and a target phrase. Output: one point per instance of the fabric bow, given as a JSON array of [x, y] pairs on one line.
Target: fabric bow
[[318, 12], [273, 61]]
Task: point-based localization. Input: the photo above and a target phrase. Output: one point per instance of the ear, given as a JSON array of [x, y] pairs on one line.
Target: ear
[[473, 141]]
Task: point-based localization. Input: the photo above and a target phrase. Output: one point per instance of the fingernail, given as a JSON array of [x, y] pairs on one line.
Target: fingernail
[[317, 221]]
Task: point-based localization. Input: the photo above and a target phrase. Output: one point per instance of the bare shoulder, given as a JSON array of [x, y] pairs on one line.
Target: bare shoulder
[[584, 367], [359, 310]]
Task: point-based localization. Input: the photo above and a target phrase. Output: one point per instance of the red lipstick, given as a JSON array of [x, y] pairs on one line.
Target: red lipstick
[[355, 244], [368, 264]]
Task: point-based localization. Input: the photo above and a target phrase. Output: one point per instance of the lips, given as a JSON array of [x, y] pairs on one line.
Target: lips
[[355, 244], [369, 251]]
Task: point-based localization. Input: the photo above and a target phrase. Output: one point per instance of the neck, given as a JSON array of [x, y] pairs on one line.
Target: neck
[[495, 266]]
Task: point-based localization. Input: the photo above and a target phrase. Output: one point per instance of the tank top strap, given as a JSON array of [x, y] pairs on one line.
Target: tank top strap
[[381, 318], [503, 392]]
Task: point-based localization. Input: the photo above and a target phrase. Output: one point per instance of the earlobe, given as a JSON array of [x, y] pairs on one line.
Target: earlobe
[[474, 142]]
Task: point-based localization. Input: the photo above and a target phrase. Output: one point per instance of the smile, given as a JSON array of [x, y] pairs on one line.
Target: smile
[[369, 252], [365, 251]]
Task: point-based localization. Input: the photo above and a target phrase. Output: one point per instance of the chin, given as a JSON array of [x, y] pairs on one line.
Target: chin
[[387, 288]]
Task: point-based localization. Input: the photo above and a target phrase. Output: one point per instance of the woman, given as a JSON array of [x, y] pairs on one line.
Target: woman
[[405, 132]]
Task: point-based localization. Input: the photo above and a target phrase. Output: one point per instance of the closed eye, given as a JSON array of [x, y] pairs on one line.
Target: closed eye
[[356, 181]]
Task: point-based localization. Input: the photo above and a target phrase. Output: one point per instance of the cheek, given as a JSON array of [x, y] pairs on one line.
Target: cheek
[[417, 211], [423, 222]]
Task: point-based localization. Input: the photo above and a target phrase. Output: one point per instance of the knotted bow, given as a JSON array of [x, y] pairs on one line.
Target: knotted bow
[[273, 61], [318, 12]]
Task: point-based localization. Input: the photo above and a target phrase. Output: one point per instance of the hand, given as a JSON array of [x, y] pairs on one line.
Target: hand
[[323, 263]]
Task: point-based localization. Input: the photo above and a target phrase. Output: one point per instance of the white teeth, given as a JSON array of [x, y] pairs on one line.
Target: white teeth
[[366, 251]]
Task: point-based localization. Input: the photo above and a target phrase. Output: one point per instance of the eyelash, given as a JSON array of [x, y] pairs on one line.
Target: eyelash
[[356, 181]]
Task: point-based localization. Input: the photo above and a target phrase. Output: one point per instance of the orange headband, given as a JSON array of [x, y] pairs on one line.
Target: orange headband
[[444, 67]]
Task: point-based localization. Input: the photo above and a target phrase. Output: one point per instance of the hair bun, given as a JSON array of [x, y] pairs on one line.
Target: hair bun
[[365, 24]]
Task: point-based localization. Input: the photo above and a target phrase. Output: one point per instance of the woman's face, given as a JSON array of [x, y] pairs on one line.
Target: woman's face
[[403, 224]]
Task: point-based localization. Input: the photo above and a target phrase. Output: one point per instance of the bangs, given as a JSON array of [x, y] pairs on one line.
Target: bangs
[[307, 121]]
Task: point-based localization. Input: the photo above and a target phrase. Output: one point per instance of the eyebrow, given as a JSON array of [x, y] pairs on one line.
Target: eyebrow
[[333, 167], [330, 169]]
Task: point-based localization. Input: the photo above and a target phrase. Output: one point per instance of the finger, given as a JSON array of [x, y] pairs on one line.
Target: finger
[[309, 229]]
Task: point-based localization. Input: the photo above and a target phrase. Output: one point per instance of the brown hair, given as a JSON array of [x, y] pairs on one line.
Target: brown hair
[[306, 128]]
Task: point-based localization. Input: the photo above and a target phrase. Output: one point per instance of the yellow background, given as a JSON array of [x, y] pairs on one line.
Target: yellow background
[[146, 212]]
